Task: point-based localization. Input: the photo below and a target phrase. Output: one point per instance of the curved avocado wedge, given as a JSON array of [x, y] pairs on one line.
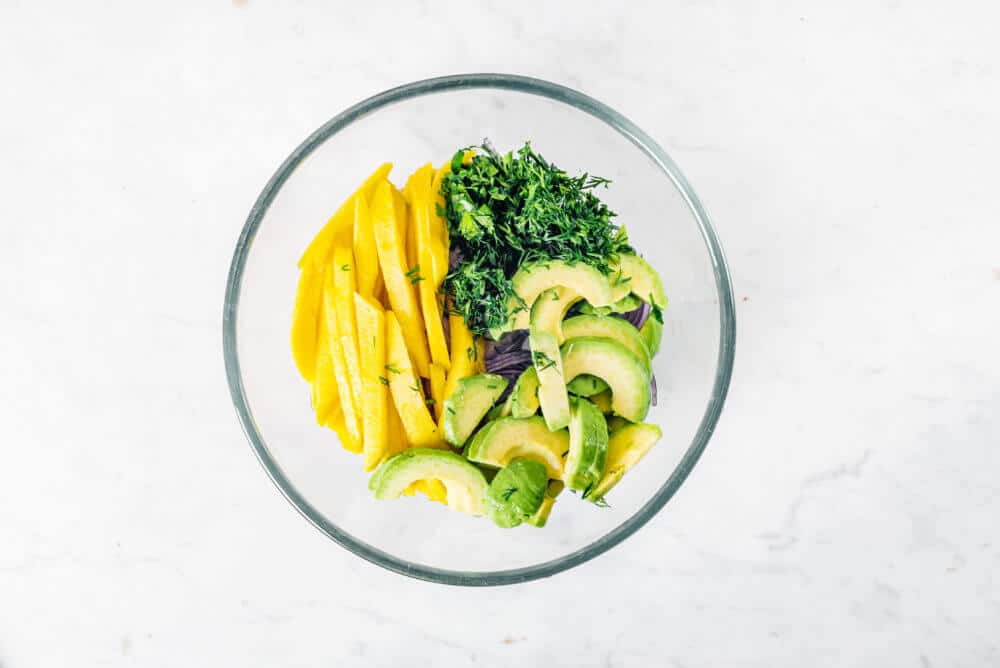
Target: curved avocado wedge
[[516, 493], [617, 366], [552, 396], [465, 483], [652, 334], [550, 308], [535, 278], [642, 280], [464, 408], [626, 447], [588, 446], [524, 396], [586, 386], [608, 327], [501, 441]]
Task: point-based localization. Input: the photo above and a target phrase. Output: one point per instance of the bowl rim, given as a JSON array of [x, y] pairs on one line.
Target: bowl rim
[[520, 84]]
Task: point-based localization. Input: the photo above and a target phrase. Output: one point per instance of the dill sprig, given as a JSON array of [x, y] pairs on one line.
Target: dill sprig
[[504, 211]]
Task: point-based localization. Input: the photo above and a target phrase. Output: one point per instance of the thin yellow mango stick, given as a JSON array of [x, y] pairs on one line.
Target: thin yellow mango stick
[[343, 271], [305, 321], [421, 430], [375, 394], [340, 371]]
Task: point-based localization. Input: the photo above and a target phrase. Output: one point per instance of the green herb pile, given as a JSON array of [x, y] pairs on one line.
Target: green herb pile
[[504, 211]]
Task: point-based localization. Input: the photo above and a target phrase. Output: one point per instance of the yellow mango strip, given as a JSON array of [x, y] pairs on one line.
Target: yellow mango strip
[[439, 376], [418, 181], [387, 207], [365, 254], [305, 321], [320, 248], [336, 422], [343, 271], [325, 396], [340, 370], [430, 273], [374, 399], [397, 435], [432, 488], [421, 430], [440, 240]]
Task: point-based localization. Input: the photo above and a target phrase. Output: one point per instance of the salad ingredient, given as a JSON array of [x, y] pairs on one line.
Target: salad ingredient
[[429, 265], [652, 334], [552, 396], [588, 446], [465, 484], [636, 317], [627, 303], [524, 397], [374, 394], [532, 280], [438, 379], [506, 211], [330, 329], [516, 493], [617, 366], [407, 394], [467, 354], [499, 442], [388, 211], [550, 308], [365, 252], [305, 320], [643, 281], [608, 327], [603, 402], [626, 447], [465, 407]]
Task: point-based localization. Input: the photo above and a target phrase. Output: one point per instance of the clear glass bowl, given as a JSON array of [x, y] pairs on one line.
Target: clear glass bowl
[[427, 121]]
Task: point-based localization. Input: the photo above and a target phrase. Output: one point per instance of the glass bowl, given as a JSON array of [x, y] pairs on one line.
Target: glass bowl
[[427, 121]]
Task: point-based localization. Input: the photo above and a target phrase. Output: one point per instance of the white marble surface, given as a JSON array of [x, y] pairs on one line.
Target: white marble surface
[[845, 513]]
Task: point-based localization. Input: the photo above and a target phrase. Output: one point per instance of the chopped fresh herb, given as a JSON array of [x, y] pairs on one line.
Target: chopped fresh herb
[[542, 361], [620, 279], [657, 311], [383, 380], [504, 211], [414, 275], [565, 453], [345, 267], [415, 388], [429, 402], [509, 492], [450, 410], [555, 295], [601, 503], [391, 368]]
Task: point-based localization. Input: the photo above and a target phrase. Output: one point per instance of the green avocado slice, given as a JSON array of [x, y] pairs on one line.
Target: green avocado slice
[[617, 366], [465, 407], [516, 493], [626, 447], [465, 483], [608, 327], [501, 441], [588, 446]]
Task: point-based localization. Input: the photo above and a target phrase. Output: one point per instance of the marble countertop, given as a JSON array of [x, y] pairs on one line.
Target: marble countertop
[[845, 512]]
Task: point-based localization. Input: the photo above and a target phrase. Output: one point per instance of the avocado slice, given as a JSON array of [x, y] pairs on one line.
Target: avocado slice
[[586, 385], [465, 407], [642, 279], [541, 516], [617, 366], [652, 334], [626, 447], [608, 327], [501, 441], [550, 308], [516, 493], [535, 278], [627, 303], [588, 446], [552, 396], [465, 483], [524, 397]]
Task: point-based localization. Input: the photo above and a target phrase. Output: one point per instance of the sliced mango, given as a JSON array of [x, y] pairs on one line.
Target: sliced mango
[[397, 435], [365, 254], [432, 488], [387, 208], [344, 271], [340, 370], [325, 396], [374, 402], [305, 321], [320, 249], [439, 376], [421, 430], [415, 185], [431, 271]]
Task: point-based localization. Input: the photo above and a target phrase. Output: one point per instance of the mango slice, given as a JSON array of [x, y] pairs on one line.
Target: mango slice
[[374, 397], [305, 321], [420, 428]]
